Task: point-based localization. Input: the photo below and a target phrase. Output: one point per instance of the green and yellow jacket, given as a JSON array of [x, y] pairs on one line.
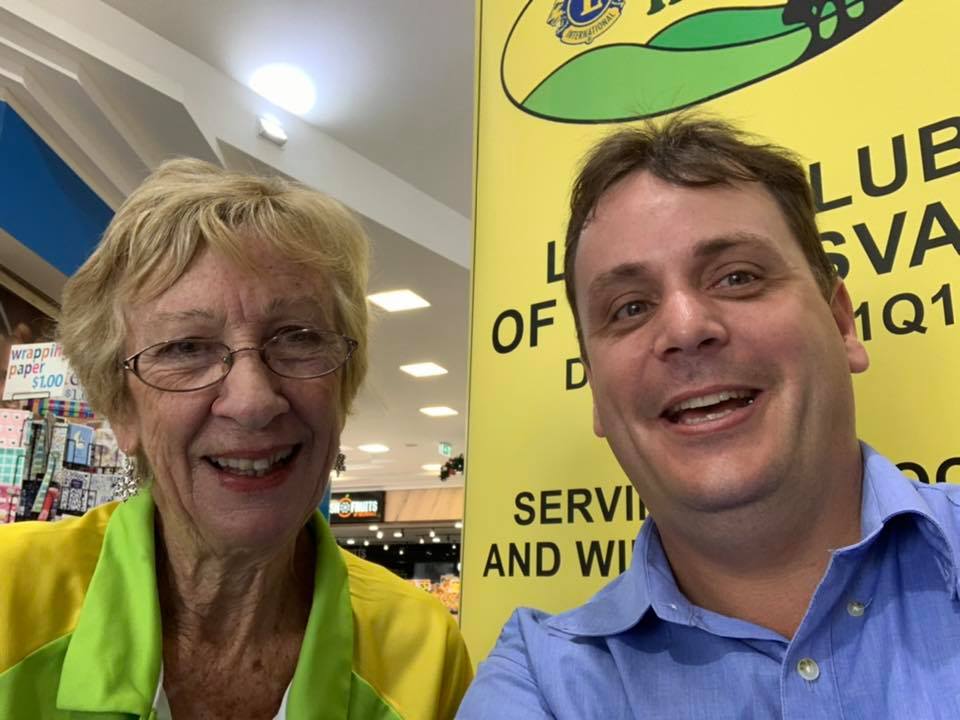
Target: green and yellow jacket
[[80, 634]]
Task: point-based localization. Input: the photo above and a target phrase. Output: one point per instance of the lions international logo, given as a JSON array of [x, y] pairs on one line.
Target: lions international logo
[[580, 21], [661, 56]]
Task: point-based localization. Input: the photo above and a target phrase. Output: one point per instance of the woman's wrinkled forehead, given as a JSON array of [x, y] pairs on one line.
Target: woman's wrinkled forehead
[[215, 291]]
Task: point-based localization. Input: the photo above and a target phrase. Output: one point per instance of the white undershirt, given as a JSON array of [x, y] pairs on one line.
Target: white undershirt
[[161, 706]]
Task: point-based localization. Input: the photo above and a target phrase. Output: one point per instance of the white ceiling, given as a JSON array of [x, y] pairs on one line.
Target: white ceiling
[[394, 85], [394, 79]]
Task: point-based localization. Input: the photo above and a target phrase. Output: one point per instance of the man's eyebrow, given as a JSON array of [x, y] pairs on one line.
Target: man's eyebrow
[[711, 247], [717, 245], [616, 275]]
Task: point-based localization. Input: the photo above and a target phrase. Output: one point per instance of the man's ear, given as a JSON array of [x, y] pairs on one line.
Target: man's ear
[[597, 424], [842, 309]]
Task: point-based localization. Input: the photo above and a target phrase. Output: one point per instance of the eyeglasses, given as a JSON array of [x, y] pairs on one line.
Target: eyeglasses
[[194, 364]]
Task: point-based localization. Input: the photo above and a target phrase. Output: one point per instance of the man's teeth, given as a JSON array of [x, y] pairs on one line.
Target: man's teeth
[[247, 466], [711, 399]]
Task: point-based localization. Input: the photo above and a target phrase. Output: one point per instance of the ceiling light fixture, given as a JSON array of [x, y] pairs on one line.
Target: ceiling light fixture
[[286, 86], [373, 528], [458, 525], [436, 539], [439, 411], [379, 534], [432, 534], [366, 543], [431, 467], [424, 369], [422, 541], [398, 533], [269, 127], [373, 448], [398, 300], [350, 541]]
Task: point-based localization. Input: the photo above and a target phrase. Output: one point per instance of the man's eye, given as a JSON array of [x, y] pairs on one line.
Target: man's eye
[[737, 278], [631, 309]]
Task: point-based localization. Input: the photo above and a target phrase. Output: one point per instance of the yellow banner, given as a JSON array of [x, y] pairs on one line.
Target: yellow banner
[[868, 93]]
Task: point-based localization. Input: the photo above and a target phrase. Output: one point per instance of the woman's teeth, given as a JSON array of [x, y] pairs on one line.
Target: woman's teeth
[[254, 468]]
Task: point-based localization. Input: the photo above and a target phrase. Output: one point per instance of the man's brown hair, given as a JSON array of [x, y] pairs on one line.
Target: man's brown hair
[[692, 151]]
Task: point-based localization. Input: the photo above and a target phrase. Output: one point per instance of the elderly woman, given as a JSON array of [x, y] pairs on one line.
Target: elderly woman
[[220, 326]]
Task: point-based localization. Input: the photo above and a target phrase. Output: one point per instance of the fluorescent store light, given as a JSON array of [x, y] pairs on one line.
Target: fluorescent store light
[[436, 539], [373, 448], [398, 300], [458, 525], [432, 467], [398, 533], [379, 534], [424, 369], [351, 541], [439, 411], [373, 528]]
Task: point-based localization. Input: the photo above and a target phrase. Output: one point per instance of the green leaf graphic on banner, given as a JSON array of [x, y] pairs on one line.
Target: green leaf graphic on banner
[[602, 84], [697, 58], [719, 28]]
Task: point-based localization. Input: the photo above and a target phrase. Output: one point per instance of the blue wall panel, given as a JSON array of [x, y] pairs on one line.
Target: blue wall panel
[[43, 203]]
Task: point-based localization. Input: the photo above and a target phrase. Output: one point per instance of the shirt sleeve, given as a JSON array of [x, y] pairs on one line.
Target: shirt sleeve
[[505, 687]]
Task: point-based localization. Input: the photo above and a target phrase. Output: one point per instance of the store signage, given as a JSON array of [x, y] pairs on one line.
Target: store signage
[[446, 449], [39, 370], [357, 507]]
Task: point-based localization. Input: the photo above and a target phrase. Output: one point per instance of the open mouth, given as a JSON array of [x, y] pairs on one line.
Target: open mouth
[[709, 407], [254, 467]]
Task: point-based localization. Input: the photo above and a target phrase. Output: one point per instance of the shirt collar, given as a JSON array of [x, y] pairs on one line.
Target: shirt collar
[[649, 582], [113, 661], [887, 494]]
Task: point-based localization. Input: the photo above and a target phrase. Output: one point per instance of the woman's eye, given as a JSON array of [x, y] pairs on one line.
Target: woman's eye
[[631, 309]]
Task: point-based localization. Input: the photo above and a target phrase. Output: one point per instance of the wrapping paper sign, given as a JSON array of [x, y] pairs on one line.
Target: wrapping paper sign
[[39, 370]]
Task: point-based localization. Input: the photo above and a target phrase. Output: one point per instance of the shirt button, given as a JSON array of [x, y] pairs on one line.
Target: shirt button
[[856, 608], [808, 669]]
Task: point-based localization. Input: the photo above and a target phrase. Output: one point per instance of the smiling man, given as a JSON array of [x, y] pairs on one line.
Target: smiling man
[[787, 569]]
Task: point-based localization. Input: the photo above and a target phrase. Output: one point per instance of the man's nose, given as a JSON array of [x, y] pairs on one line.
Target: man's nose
[[688, 322]]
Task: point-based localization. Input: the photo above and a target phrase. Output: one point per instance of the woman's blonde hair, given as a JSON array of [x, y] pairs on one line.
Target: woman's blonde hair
[[182, 208]]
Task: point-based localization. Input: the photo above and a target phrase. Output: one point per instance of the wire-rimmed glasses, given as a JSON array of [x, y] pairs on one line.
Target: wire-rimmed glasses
[[196, 363]]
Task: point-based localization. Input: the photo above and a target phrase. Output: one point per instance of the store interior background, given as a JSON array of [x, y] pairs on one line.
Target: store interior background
[[115, 87]]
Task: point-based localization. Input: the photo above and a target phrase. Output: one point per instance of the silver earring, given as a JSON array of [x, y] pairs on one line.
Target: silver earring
[[128, 482], [340, 464]]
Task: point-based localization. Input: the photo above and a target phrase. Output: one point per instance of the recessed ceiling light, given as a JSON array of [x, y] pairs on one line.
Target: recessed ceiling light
[[422, 541], [438, 411], [436, 539], [386, 547], [398, 533], [401, 552], [458, 525], [431, 467], [286, 86], [379, 534], [424, 369], [454, 546], [373, 448], [397, 300], [432, 534], [373, 528], [350, 541], [366, 543]]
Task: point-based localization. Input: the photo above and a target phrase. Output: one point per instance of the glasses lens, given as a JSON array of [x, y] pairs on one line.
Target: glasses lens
[[183, 364], [306, 353]]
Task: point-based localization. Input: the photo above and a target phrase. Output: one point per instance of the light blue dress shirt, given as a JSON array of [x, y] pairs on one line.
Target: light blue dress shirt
[[880, 639]]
